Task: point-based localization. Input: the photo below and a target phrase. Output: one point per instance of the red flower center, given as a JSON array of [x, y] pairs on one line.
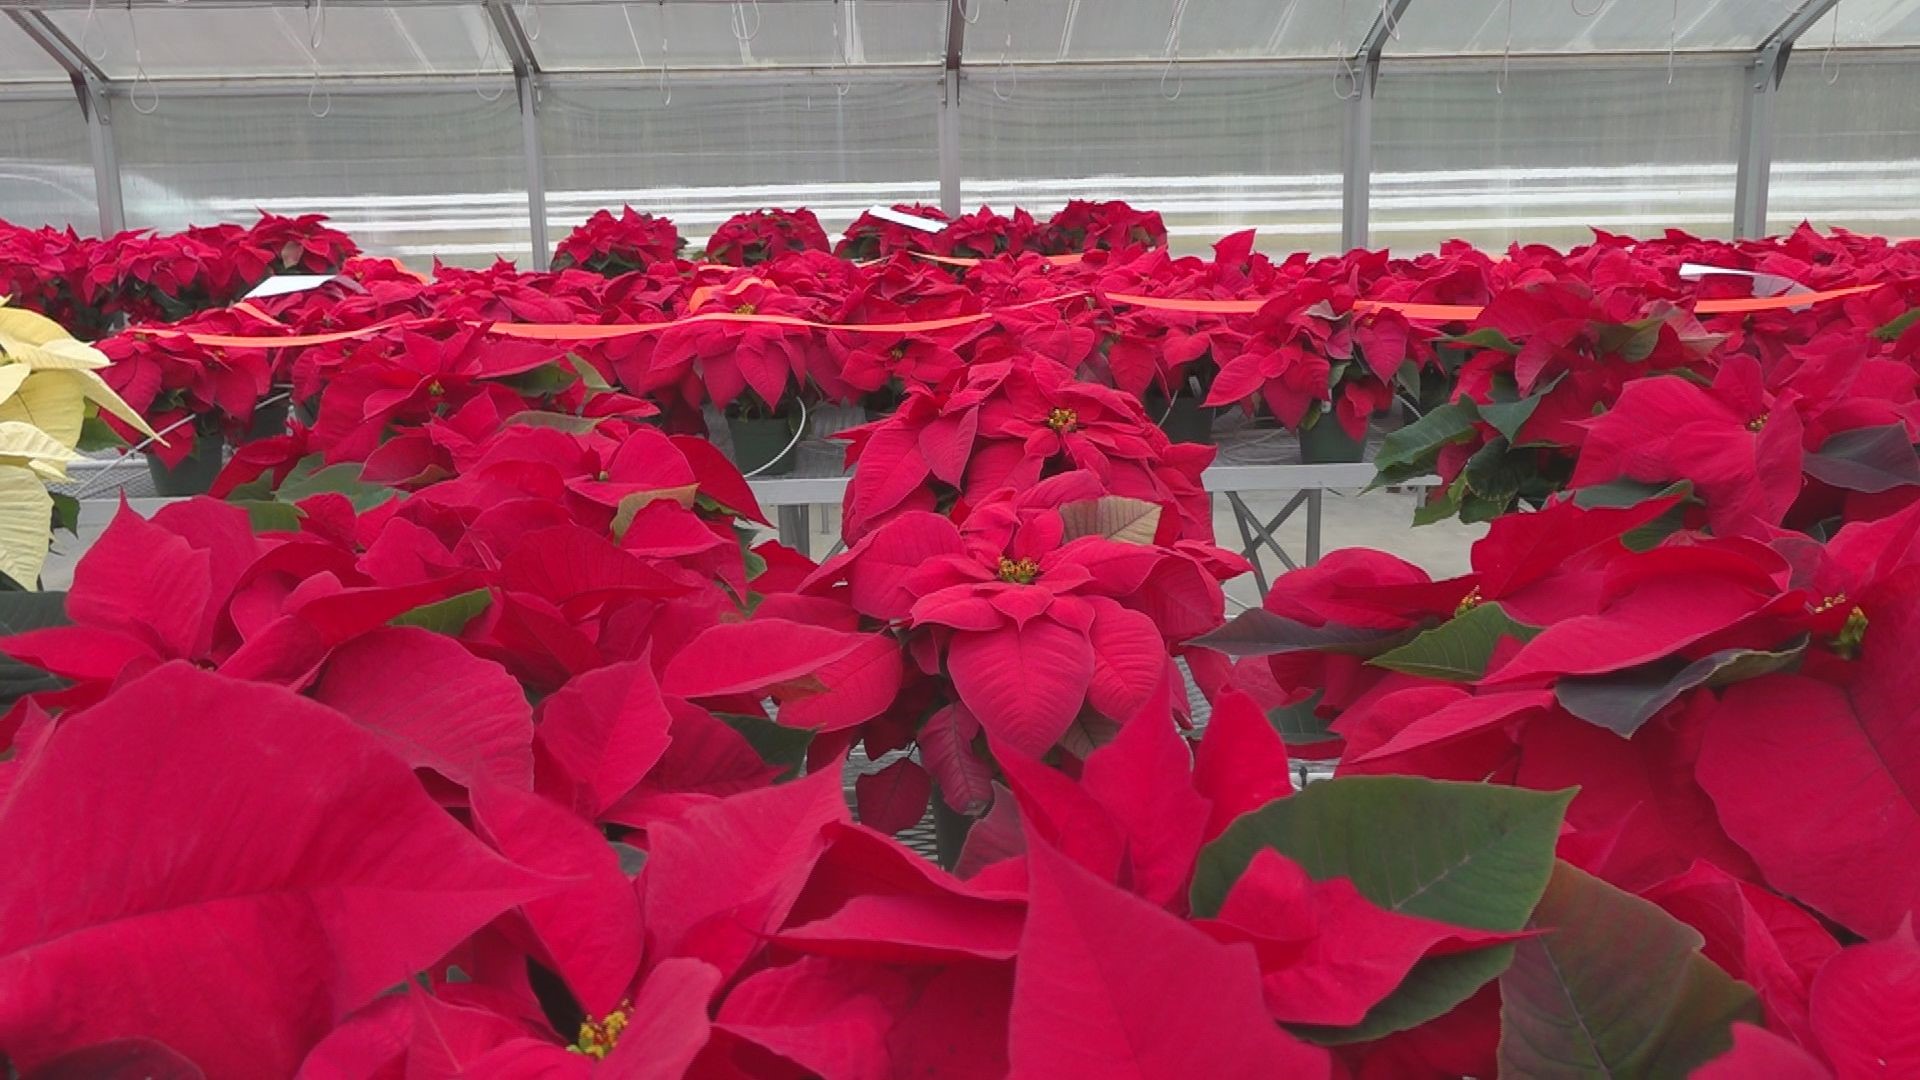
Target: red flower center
[[1468, 602], [1757, 422], [435, 388], [743, 309], [1018, 573], [1063, 420]]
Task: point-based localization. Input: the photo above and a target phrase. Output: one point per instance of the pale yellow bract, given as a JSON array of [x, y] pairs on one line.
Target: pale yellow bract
[[48, 382]]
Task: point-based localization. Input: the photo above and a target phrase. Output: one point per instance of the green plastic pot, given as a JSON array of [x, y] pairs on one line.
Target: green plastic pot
[[1327, 443], [193, 476], [1187, 421], [765, 446]]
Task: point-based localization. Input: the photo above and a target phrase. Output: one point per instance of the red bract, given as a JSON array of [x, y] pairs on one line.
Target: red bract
[[1327, 954], [147, 592], [316, 896], [1863, 721], [1740, 449], [1112, 970]]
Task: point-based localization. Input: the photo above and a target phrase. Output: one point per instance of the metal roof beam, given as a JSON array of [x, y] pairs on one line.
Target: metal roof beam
[[1798, 23], [513, 37], [58, 45], [957, 31], [1383, 27], [398, 5], [90, 86]]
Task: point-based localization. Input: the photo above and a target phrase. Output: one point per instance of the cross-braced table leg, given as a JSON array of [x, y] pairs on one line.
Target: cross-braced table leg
[[796, 528], [1314, 496], [1256, 535]]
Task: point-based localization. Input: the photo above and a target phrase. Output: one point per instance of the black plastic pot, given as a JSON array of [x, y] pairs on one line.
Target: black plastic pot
[[193, 476], [1187, 421], [950, 829], [1327, 443], [269, 421], [765, 446]]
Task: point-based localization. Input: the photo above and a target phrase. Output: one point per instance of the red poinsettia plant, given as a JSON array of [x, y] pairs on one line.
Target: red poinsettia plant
[[611, 246], [192, 391], [516, 684], [873, 237], [44, 270], [743, 345], [1011, 423], [154, 278], [984, 234], [1041, 609], [757, 236], [1677, 686], [1310, 358], [1084, 225]]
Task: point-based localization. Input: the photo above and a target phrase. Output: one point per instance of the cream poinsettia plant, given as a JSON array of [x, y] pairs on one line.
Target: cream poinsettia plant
[[48, 386]]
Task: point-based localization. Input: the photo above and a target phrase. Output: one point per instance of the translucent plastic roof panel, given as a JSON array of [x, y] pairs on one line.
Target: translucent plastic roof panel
[[1558, 26], [705, 34], [208, 42], [1866, 22], [1037, 31], [23, 61]]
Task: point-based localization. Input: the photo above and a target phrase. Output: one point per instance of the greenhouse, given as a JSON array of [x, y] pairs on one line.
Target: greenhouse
[[464, 131], [958, 539]]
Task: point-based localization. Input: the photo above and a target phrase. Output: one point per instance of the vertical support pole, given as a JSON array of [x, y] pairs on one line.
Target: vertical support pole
[[529, 90], [526, 83], [950, 143], [1755, 169], [950, 107], [106, 155], [1356, 158]]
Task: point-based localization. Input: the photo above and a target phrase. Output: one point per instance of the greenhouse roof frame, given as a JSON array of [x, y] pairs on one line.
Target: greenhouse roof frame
[[421, 45], [941, 28]]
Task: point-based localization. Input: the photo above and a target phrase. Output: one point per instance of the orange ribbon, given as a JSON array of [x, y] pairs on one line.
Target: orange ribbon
[[1469, 312], [953, 260], [1748, 304], [608, 331]]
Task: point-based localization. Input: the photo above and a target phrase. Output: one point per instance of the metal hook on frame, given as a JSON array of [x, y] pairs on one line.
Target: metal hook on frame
[[86, 34], [140, 70], [743, 32], [1833, 40], [1506, 55]]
